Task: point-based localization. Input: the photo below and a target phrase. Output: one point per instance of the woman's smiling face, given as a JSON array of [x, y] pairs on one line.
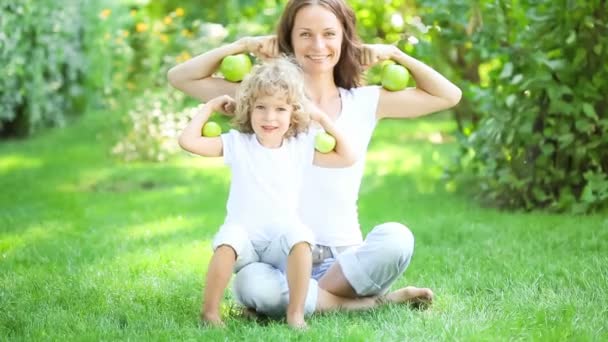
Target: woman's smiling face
[[316, 39]]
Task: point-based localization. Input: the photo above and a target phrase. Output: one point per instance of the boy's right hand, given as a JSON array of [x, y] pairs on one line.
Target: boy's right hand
[[316, 114], [213, 321], [223, 104]]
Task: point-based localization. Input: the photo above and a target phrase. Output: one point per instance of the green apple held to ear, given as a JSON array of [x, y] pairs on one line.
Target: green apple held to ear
[[395, 77], [212, 129], [235, 67], [324, 142]]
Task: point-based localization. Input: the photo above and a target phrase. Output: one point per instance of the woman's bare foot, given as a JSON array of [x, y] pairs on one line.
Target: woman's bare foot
[[212, 320], [416, 296], [296, 320]]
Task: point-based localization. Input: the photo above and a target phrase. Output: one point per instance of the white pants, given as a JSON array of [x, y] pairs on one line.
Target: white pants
[[272, 252], [271, 256], [370, 269]]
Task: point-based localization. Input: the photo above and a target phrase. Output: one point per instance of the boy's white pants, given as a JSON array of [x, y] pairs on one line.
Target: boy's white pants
[[370, 268], [272, 254]]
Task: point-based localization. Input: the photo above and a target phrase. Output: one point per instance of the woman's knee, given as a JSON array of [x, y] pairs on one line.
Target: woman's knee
[[396, 240], [386, 253]]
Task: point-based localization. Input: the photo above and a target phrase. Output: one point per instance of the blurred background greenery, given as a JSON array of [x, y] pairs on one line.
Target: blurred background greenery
[[531, 128]]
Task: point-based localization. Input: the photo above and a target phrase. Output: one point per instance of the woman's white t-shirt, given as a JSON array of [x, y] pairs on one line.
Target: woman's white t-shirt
[[328, 201]]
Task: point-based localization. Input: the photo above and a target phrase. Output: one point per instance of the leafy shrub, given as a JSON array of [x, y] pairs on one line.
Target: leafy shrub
[[154, 123], [43, 64], [535, 78]]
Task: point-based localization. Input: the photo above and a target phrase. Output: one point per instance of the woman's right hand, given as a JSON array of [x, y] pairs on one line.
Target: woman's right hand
[[264, 47], [376, 53]]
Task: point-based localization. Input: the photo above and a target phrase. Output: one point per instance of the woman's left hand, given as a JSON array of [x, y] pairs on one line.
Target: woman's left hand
[[375, 53]]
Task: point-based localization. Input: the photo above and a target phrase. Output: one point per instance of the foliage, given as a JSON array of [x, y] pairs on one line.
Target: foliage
[[43, 64], [153, 127], [158, 35], [534, 121]]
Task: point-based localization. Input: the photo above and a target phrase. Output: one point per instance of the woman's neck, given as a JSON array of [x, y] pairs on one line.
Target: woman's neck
[[324, 92], [321, 88]]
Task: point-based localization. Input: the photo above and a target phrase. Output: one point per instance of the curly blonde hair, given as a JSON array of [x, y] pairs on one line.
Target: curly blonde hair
[[279, 76]]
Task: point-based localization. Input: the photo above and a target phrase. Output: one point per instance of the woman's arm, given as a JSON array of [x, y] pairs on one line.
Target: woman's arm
[[195, 76], [433, 92], [191, 139]]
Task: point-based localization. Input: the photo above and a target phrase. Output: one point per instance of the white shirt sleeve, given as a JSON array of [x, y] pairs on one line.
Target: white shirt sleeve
[[367, 99], [304, 147], [231, 148], [309, 147]]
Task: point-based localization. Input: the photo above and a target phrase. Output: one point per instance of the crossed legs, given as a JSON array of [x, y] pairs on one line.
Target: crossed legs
[[358, 281], [336, 293]]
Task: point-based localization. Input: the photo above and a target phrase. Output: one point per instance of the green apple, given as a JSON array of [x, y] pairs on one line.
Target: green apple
[[235, 67], [395, 77], [212, 129], [324, 142]]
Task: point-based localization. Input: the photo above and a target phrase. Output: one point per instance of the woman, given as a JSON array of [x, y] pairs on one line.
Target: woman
[[321, 34]]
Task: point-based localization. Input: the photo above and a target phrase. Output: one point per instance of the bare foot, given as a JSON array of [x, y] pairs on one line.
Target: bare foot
[[418, 297], [212, 320], [296, 321]]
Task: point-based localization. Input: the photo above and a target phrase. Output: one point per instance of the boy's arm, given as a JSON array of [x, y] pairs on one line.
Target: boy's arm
[[191, 139], [343, 154]]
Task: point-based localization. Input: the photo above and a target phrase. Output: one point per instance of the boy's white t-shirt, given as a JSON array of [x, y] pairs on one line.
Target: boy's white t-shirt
[[265, 182], [328, 201]]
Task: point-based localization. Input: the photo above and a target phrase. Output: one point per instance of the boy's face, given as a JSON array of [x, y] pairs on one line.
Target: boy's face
[[270, 119]]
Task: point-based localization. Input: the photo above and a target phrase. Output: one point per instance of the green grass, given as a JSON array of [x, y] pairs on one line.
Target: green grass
[[95, 249]]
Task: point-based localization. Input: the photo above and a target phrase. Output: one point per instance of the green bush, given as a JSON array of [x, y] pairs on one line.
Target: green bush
[[535, 78], [154, 122], [43, 63]]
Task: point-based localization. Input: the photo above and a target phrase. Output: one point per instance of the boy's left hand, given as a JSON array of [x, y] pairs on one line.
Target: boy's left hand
[[223, 104]]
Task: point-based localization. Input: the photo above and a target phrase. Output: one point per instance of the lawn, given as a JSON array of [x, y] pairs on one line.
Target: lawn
[[95, 249]]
